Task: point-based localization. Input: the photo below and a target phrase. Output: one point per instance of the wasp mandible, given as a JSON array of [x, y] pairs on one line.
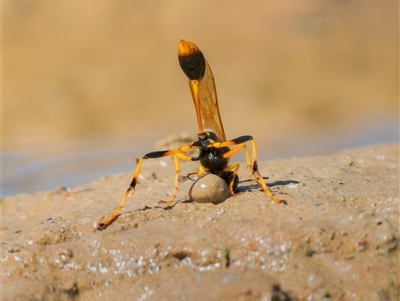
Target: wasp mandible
[[214, 150]]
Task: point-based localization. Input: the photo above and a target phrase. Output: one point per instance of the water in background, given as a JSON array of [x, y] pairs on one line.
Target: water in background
[[89, 87], [80, 162]]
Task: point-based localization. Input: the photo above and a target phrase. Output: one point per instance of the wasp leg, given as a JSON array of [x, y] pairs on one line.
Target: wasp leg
[[254, 166], [177, 172], [202, 171], [177, 153], [132, 186], [234, 168]]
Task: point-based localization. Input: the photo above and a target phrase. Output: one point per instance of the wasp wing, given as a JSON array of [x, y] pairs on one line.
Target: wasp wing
[[202, 87], [208, 103]]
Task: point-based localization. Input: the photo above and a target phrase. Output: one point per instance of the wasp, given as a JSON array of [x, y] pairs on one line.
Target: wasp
[[214, 150]]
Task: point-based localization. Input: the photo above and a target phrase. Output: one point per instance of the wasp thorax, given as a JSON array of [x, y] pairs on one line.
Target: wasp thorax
[[202, 136], [212, 136]]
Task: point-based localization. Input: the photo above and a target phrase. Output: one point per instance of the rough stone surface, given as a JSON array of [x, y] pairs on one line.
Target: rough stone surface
[[337, 239]]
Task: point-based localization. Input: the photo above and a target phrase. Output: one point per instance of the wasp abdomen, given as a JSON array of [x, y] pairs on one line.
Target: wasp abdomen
[[193, 65]]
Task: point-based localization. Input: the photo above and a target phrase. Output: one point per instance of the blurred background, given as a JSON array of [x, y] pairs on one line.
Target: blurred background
[[89, 86]]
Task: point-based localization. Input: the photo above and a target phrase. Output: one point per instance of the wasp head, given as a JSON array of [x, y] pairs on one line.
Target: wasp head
[[206, 138]]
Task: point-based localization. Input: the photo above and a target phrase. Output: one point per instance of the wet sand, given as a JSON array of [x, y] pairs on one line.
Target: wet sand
[[337, 239]]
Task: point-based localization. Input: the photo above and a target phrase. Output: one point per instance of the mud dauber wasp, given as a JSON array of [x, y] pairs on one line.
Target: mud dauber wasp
[[214, 149]]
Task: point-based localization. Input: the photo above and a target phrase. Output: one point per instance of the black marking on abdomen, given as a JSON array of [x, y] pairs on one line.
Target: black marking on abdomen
[[193, 65]]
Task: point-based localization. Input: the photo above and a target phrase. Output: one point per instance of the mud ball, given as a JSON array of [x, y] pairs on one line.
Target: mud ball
[[209, 189]]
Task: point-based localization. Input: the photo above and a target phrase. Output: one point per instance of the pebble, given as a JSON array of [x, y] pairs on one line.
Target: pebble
[[209, 189]]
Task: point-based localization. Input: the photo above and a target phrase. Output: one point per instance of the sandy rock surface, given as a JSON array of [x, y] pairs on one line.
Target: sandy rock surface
[[337, 239]]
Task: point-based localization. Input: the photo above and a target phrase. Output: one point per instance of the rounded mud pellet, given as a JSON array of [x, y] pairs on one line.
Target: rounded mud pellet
[[209, 189]]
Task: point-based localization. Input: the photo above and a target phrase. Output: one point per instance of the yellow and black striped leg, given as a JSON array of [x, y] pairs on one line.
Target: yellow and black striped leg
[[234, 167], [258, 177], [132, 186], [177, 172], [254, 165], [177, 153]]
